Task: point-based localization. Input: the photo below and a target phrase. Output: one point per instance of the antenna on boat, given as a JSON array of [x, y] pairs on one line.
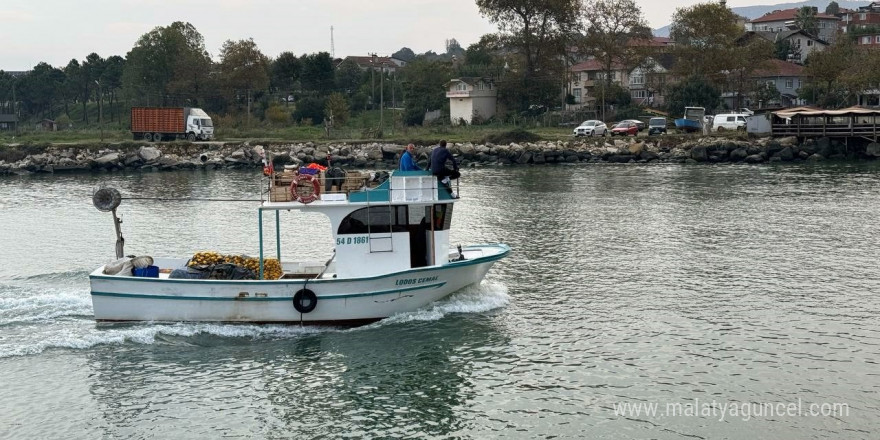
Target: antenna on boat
[[107, 199]]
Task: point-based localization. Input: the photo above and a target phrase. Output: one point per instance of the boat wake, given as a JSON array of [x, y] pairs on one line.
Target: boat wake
[[478, 298], [64, 321]]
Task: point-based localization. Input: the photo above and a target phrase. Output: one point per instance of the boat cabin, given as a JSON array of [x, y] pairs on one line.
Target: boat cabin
[[400, 224]]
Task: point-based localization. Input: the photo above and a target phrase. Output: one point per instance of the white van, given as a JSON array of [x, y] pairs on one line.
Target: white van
[[729, 121]]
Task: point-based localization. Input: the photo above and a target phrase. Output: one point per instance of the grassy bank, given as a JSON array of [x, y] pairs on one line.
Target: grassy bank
[[363, 127]]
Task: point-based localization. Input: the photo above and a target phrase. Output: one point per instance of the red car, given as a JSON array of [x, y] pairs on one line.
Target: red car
[[625, 129]]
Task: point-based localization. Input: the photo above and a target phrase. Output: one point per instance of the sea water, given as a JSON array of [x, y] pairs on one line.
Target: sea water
[[639, 301]]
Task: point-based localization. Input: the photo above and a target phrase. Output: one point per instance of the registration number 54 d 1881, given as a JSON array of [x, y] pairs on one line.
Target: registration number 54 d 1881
[[352, 240]]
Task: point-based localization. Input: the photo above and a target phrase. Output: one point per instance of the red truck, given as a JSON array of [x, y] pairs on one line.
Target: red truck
[[160, 123]]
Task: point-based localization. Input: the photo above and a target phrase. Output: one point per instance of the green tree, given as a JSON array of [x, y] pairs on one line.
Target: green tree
[[613, 29], [424, 88], [704, 36], [805, 19], [317, 73], [766, 92], [243, 67], [825, 72], [482, 52], [40, 89], [337, 109], [833, 8], [111, 82], [244, 72], [72, 78], [7, 82], [310, 110], [168, 64], [405, 54], [695, 91], [783, 49], [743, 62], [537, 32], [285, 72], [350, 77]]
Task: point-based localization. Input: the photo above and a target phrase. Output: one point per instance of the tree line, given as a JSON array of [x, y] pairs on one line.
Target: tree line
[[529, 59]]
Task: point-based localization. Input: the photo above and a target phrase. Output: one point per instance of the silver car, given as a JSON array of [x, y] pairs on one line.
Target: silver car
[[591, 128]]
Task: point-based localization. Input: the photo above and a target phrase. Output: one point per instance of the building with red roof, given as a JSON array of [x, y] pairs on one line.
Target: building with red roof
[[784, 19]]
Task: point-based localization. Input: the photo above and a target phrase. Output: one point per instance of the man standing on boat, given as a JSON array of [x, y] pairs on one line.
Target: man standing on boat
[[439, 156], [408, 159]]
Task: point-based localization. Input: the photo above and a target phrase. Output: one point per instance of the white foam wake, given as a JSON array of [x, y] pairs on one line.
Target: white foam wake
[[477, 298], [43, 307], [87, 335]]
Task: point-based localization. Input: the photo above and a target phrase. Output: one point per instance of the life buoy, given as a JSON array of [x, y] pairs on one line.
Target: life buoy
[[304, 301], [305, 180]]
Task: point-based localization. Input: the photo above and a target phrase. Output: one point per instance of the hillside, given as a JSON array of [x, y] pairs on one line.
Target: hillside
[[752, 12]]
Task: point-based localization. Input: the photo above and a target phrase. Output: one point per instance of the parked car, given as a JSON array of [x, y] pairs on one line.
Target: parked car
[[729, 121], [591, 128], [641, 125], [657, 126], [625, 129]]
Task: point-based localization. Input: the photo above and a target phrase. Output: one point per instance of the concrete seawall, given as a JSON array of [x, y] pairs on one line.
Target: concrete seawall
[[172, 156]]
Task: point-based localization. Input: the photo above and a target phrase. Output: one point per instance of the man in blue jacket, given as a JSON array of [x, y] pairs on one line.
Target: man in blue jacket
[[408, 160], [439, 156]]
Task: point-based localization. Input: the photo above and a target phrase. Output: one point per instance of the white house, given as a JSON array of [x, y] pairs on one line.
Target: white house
[[471, 98], [801, 43]]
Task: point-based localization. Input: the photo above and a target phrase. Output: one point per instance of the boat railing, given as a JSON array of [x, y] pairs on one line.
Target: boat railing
[[359, 186], [277, 186]]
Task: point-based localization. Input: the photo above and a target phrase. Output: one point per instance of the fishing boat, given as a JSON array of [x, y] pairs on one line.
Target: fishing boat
[[392, 255], [692, 120]]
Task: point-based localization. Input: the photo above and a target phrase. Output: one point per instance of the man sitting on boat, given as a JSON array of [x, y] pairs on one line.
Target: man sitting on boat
[[408, 159], [439, 156]]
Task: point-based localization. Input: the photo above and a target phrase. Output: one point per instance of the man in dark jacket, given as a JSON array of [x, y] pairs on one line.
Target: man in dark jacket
[[439, 156]]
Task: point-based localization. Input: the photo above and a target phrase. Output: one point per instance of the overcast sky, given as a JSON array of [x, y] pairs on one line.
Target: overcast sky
[[56, 31]]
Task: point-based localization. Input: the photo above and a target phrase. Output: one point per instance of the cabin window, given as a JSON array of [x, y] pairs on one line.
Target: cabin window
[[375, 219], [442, 217]]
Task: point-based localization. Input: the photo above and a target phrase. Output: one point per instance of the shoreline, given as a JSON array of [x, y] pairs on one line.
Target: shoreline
[[28, 159]]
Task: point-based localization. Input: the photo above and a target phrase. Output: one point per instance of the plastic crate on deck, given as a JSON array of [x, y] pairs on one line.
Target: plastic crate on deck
[[146, 272]]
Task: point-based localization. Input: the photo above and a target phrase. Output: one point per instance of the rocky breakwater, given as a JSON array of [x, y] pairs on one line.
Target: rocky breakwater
[[175, 156], [666, 149]]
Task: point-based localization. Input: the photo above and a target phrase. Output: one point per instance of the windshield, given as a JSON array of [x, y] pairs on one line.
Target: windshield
[[206, 123], [658, 122], [589, 123]]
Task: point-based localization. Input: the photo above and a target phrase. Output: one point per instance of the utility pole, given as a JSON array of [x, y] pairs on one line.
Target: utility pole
[[373, 81], [14, 108], [249, 108], [100, 110], [382, 96]]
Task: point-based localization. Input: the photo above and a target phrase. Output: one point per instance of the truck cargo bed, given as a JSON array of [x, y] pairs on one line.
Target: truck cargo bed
[[157, 120]]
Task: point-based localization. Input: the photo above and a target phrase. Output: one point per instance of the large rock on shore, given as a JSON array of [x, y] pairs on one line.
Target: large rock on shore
[[149, 154]]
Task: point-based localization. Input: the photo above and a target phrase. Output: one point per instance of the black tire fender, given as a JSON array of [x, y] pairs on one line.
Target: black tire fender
[[304, 301]]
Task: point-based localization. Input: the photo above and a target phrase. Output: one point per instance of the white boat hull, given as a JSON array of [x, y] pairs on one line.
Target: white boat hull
[[340, 301]]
